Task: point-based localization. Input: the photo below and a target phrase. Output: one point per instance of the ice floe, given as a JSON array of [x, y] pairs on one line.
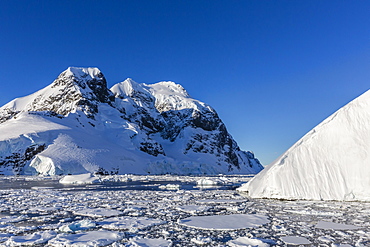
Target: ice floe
[[31, 239], [98, 212], [81, 225], [225, 222], [86, 178], [193, 209], [170, 187], [148, 242], [210, 182], [85, 239], [335, 226], [293, 240], [127, 223], [247, 242]]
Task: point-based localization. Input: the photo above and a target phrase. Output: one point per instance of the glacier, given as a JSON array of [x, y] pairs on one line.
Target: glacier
[[331, 162], [77, 125]]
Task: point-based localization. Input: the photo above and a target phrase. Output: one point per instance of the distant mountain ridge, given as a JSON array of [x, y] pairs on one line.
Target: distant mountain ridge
[[77, 125]]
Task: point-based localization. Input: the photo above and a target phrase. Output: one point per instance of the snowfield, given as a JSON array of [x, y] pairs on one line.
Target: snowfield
[[40, 211]]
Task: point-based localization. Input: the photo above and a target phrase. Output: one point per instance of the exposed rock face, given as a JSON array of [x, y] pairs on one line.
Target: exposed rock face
[[130, 128]]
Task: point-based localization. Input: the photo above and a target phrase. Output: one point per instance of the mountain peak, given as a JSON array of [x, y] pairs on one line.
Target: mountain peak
[[127, 88], [82, 77], [169, 88], [81, 72]]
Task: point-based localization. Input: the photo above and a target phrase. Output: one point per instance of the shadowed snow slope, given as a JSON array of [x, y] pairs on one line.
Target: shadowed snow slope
[[77, 125], [331, 162]]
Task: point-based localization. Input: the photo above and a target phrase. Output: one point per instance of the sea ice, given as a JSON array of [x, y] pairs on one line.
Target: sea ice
[[295, 240], [335, 226], [98, 212], [81, 225], [147, 242], [86, 178], [4, 236], [170, 187], [129, 223], [30, 239], [247, 242], [199, 240], [204, 182], [154, 214], [11, 219], [193, 209], [86, 239], [225, 222]]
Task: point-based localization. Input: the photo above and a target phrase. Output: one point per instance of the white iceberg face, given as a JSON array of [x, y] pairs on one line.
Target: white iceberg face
[[331, 162]]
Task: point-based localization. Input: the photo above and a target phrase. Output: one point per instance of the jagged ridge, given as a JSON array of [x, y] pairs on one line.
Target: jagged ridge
[[156, 128]]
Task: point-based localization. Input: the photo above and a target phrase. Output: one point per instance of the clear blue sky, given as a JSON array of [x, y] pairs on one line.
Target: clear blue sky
[[272, 69]]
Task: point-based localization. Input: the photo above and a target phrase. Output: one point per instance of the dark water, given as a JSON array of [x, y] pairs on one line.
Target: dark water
[[21, 183]]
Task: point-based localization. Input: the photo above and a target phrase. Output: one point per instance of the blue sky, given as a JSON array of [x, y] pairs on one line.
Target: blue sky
[[271, 69]]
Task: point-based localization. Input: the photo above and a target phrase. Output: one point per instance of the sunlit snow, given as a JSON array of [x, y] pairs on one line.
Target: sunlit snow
[[331, 162], [225, 222]]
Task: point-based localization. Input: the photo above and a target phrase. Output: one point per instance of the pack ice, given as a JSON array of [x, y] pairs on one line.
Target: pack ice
[[76, 125], [331, 162]]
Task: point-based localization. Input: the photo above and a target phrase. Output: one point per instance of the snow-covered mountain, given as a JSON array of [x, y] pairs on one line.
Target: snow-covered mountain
[[77, 125], [331, 162]]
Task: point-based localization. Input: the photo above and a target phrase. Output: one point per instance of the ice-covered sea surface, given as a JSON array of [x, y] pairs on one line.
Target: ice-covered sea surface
[[169, 211]]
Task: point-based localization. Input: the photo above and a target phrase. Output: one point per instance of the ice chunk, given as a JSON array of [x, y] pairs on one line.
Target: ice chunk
[[295, 240], [31, 239], [86, 178], [78, 226], [98, 212], [335, 226], [170, 187], [194, 209], [11, 219], [245, 241], [129, 223], [92, 238], [4, 236], [225, 222], [210, 182], [201, 240], [148, 242]]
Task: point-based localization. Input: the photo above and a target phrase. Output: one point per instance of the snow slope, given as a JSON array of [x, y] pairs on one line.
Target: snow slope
[[77, 125], [331, 162]]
